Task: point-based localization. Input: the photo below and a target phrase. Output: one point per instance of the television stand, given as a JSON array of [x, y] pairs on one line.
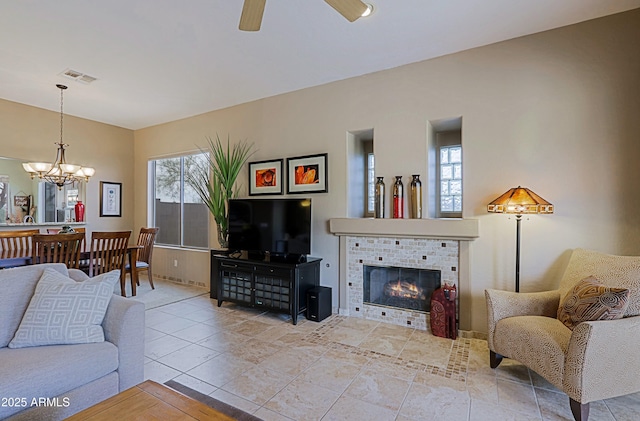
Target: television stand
[[287, 258], [272, 286]]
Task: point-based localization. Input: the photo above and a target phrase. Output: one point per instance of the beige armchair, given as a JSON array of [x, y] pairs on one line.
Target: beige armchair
[[597, 359]]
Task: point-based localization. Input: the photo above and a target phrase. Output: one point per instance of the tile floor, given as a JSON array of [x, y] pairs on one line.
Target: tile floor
[[346, 368]]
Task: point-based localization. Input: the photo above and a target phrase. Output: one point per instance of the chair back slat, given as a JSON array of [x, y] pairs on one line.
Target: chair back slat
[[17, 240], [108, 251], [57, 248], [146, 238]]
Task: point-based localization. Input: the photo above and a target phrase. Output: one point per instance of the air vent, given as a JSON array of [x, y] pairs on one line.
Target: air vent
[[78, 76]]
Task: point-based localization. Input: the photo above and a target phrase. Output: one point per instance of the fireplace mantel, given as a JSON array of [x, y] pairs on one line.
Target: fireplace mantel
[[461, 231], [446, 229]]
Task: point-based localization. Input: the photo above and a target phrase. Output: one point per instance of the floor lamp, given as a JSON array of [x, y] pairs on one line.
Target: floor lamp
[[519, 201]]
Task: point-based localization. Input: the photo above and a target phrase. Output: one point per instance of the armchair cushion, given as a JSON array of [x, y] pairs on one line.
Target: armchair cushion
[[616, 271], [541, 342], [589, 300], [63, 311], [505, 304]]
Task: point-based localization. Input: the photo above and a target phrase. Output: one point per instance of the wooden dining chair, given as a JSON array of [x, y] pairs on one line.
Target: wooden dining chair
[[146, 239], [17, 240], [108, 252], [57, 248], [84, 263], [15, 248]]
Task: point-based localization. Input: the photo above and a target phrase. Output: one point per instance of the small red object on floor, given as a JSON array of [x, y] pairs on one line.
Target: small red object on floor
[[443, 312]]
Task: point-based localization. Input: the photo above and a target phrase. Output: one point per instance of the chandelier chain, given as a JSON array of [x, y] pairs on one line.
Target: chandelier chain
[[61, 113]]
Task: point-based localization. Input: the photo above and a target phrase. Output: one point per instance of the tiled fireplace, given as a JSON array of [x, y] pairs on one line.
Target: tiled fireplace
[[407, 257], [412, 255]]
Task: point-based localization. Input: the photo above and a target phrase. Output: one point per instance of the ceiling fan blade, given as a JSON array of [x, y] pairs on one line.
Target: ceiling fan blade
[[350, 9], [251, 17]]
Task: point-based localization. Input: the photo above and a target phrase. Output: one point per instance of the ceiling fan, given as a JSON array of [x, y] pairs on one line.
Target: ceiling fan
[[252, 11]]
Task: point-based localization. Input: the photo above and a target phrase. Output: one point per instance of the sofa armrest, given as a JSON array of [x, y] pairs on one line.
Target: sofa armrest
[[503, 304], [78, 275], [602, 360], [124, 326]]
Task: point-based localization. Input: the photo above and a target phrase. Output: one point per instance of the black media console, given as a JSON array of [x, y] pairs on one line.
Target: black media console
[[272, 286]]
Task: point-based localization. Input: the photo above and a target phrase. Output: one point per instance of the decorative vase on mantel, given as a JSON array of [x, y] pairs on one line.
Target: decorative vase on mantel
[[398, 198], [379, 198], [416, 197]]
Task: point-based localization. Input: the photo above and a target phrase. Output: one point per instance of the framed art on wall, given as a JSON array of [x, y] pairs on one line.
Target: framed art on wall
[[307, 174], [110, 199], [266, 177]]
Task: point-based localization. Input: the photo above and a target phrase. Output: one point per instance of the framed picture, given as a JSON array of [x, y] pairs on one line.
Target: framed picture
[[110, 199], [266, 177], [307, 174]]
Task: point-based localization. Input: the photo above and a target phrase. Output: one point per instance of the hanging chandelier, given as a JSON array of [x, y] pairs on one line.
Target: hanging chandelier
[[59, 172]]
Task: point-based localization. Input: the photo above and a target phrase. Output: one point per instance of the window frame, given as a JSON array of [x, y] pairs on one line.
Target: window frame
[[440, 213], [153, 195], [369, 178]]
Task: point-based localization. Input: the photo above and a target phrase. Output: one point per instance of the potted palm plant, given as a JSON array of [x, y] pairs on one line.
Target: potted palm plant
[[214, 178]]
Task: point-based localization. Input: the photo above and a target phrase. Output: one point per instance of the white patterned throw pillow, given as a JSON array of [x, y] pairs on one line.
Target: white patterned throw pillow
[[63, 311]]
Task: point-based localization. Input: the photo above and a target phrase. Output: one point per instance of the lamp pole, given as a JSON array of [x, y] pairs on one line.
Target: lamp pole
[[518, 221]]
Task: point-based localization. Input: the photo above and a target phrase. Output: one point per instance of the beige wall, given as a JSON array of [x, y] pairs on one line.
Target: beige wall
[[556, 112], [29, 133]]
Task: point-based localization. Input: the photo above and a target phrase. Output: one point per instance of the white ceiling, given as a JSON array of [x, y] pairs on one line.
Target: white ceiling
[[162, 60]]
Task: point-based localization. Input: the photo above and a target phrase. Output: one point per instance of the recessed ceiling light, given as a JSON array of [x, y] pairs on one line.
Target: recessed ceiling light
[[369, 10]]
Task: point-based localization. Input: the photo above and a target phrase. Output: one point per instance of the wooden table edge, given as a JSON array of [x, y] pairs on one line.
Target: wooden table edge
[[164, 394], [182, 402]]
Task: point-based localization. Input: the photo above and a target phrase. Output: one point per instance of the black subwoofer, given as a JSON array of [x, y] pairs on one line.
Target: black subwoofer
[[318, 303]]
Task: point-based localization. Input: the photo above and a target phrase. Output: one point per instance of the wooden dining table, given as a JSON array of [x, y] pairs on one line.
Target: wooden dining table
[[15, 257], [22, 257]]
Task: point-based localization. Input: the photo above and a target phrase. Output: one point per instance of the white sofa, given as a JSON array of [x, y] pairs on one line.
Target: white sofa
[[53, 382]]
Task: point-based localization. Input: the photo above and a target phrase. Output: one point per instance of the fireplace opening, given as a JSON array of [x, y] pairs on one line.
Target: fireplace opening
[[398, 287]]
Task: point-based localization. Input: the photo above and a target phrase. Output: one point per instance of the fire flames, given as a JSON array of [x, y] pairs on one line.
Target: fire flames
[[404, 289]]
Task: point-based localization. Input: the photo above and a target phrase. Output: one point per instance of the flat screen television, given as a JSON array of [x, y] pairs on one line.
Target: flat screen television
[[279, 227]]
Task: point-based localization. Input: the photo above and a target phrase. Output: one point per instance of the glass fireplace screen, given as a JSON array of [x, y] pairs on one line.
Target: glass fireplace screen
[[398, 287]]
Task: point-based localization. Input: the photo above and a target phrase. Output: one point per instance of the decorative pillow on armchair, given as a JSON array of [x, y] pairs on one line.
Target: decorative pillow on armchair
[[63, 311], [590, 300]]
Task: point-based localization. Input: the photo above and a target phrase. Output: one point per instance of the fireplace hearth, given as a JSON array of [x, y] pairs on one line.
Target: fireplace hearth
[[397, 287]]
